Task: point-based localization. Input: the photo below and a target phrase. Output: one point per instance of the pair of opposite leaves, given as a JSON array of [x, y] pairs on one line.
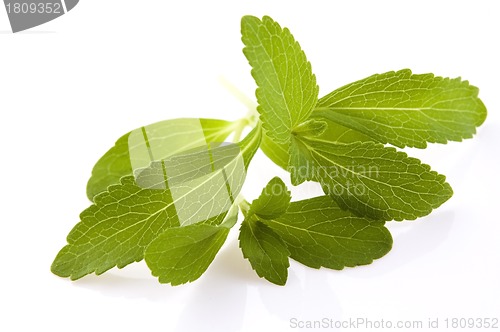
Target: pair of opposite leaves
[[337, 140]]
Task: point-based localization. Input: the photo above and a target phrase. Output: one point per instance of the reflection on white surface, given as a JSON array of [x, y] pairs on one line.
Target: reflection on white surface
[[228, 297]]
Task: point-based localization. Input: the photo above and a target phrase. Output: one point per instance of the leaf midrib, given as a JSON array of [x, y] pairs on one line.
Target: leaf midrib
[[275, 74], [359, 175], [405, 109], [333, 237], [262, 248]]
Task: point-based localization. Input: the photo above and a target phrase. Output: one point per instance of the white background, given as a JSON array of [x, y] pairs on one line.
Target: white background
[[71, 87]]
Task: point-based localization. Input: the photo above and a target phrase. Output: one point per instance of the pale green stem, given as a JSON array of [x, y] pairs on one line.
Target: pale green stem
[[251, 119], [252, 116], [238, 131], [250, 104], [244, 205]]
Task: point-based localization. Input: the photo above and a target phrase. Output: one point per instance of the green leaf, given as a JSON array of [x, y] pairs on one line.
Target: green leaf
[[279, 153], [287, 90], [310, 127], [115, 163], [405, 109], [182, 254], [318, 233], [273, 201], [263, 248], [110, 168], [126, 218], [370, 179], [116, 230]]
